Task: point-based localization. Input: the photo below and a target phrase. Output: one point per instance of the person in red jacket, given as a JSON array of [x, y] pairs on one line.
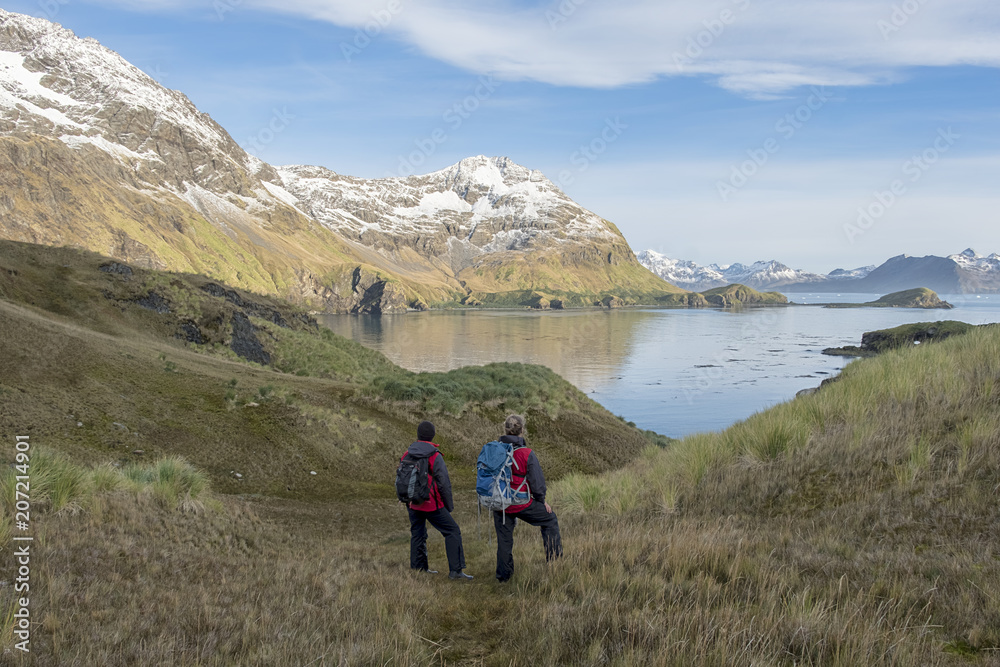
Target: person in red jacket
[[437, 509], [536, 511]]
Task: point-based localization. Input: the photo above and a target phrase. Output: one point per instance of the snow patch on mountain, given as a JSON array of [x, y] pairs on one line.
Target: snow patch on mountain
[[111, 148]]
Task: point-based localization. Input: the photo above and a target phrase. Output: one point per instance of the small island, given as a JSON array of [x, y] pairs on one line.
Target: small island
[[736, 295], [919, 297], [907, 335]]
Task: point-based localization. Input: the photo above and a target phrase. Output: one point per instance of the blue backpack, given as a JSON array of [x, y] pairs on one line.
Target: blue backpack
[[494, 478]]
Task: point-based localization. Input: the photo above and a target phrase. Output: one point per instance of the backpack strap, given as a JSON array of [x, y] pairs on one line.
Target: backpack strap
[[523, 473]]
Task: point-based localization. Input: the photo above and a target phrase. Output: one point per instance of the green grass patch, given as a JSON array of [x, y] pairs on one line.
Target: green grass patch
[[517, 387]]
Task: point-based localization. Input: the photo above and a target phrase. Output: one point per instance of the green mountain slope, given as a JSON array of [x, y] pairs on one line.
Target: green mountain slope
[[85, 198]]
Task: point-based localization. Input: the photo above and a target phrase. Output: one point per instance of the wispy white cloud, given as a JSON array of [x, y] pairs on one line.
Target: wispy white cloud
[[752, 47]]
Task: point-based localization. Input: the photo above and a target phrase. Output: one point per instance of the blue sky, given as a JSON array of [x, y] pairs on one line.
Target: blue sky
[[820, 133]]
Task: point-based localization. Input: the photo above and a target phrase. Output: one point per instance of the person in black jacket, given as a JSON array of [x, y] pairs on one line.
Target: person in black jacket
[[437, 509], [536, 511]]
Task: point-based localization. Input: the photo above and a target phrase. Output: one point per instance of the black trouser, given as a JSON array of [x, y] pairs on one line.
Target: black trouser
[[535, 515], [440, 519]]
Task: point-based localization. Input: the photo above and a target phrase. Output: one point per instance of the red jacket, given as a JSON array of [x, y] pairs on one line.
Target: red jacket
[[437, 477], [525, 466]]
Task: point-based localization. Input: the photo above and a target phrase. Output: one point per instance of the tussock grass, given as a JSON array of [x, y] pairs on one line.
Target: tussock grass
[[57, 485], [323, 353], [852, 526], [172, 481], [517, 386], [916, 403]]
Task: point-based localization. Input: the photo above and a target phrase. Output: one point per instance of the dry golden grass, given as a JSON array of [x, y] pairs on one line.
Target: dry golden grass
[[857, 526]]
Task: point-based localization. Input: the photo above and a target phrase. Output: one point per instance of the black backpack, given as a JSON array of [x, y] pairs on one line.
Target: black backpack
[[411, 481]]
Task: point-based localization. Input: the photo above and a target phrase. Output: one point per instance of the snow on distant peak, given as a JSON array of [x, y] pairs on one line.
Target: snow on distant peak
[[762, 274], [682, 273], [850, 274], [970, 260]]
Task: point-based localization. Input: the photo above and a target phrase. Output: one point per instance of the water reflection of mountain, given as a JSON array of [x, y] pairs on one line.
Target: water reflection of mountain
[[588, 348]]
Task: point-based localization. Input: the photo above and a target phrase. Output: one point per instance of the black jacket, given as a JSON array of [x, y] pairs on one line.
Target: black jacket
[[536, 480], [439, 471]]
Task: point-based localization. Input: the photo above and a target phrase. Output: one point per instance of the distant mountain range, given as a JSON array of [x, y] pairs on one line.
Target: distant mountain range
[[964, 273], [759, 275], [96, 154]]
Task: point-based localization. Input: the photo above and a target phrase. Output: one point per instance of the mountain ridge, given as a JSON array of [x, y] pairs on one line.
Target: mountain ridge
[[96, 154]]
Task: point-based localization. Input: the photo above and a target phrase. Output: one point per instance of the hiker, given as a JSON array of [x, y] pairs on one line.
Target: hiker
[[536, 511], [437, 509]]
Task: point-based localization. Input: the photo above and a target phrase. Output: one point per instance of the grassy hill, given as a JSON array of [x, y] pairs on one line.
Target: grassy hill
[[856, 526]]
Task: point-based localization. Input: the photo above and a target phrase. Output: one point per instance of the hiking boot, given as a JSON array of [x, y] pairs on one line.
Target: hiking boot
[[460, 575]]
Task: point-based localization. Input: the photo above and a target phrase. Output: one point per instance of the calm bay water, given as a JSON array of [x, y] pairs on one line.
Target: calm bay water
[[673, 371]]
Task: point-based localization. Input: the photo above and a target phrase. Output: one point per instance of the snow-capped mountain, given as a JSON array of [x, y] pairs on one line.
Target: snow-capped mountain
[[55, 84], [682, 273], [691, 276], [95, 153], [100, 155], [765, 274], [969, 260], [850, 274], [479, 206], [964, 273], [978, 273]]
